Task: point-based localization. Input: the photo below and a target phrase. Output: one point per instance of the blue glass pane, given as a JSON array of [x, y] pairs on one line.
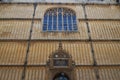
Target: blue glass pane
[[60, 17], [65, 27], [50, 18], [54, 22], [74, 19], [60, 21], [65, 22], [69, 22], [60, 27], [45, 22], [45, 19], [44, 27], [74, 27], [70, 27], [50, 23]]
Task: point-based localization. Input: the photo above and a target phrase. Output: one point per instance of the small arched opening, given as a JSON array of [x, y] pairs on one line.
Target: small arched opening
[[61, 76]]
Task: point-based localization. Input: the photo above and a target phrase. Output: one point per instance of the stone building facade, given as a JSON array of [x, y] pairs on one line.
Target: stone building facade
[[64, 1], [93, 50]]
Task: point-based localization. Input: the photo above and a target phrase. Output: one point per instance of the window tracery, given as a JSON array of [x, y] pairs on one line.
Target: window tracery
[[60, 19]]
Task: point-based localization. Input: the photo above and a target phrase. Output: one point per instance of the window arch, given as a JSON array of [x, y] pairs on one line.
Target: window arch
[[60, 19]]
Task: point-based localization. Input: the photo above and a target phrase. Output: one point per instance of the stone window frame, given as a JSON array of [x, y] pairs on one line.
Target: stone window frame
[[54, 18]]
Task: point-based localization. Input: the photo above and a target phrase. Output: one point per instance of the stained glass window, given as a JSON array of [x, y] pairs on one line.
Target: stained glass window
[[60, 19]]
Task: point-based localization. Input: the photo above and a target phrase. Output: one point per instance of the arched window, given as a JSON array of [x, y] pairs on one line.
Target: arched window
[[59, 19]]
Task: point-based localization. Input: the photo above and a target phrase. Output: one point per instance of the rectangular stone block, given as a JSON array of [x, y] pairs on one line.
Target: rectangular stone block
[[85, 73], [35, 73], [107, 53], [11, 73], [109, 73], [15, 29], [103, 12], [12, 53], [105, 30], [16, 10]]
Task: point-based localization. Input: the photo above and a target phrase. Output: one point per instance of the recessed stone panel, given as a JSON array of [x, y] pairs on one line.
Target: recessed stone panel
[[12, 53]]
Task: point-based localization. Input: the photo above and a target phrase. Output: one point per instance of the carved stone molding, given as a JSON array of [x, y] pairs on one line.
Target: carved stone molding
[[60, 63]]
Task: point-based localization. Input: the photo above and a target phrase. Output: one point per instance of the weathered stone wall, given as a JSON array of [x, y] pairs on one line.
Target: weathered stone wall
[[25, 48]]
